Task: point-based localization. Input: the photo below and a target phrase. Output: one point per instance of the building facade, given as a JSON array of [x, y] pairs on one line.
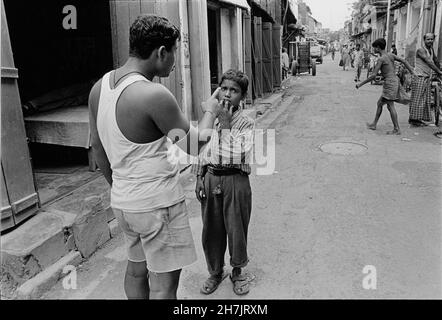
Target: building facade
[[409, 21], [74, 42]]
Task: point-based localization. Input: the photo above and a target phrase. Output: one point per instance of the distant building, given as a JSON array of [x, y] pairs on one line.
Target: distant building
[[410, 20]]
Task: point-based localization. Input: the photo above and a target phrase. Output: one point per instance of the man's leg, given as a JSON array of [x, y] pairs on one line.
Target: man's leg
[[136, 282], [380, 104], [393, 114], [164, 285]]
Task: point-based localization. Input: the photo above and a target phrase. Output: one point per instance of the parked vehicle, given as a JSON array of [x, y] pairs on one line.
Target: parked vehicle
[[316, 51], [302, 61]]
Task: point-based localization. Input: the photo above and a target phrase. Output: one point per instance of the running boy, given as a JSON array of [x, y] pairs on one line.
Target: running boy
[[223, 187], [391, 84]]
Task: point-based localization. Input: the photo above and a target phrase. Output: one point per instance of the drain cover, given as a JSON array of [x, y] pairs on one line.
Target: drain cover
[[344, 148]]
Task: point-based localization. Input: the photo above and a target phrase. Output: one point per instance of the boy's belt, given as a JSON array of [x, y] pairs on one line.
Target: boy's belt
[[223, 171]]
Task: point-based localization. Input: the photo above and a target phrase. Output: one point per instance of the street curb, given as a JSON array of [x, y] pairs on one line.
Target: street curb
[[45, 280]]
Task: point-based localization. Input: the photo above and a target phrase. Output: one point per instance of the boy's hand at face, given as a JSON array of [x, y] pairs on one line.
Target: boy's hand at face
[[225, 115]]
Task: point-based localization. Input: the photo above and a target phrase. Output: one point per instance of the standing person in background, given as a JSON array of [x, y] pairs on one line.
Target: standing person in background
[[345, 56], [394, 50], [285, 63], [333, 50], [390, 87], [133, 123], [426, 65], [358, 61]]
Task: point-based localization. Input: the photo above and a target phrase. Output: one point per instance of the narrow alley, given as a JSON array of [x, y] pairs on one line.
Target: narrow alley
[[329, 210]]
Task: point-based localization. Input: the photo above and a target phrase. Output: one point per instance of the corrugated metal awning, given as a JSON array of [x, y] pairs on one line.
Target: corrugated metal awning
[[238, 3]]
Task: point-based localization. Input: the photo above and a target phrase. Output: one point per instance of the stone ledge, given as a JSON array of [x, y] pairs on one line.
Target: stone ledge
[[45, 280], [36, 244]]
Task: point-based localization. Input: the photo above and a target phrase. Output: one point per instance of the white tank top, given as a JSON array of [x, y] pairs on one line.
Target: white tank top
[[144, 179]]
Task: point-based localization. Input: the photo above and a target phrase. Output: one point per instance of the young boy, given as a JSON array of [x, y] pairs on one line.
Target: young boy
[[390, 88], [223, 186]]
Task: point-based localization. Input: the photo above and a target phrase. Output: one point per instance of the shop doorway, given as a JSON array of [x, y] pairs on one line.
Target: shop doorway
[[214, 47], [57, 67]]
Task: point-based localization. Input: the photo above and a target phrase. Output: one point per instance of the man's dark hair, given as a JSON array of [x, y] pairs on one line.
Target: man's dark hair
[[149, 32], [237, 76], [379, 43]]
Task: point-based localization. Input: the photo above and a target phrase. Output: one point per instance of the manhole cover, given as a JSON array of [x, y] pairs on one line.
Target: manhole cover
[[344, 148]]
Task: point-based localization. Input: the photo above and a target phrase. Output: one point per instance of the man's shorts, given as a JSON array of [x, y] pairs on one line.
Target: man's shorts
[[161, 237]]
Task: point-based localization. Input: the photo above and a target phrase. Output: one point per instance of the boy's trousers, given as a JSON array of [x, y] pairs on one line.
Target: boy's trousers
[[226, 214]]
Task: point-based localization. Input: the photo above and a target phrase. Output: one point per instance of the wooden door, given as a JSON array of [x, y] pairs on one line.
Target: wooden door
[[276, 44], [7, 218], [247, 39], [17, 180], [267, 57], [124, 13], [257, 55]]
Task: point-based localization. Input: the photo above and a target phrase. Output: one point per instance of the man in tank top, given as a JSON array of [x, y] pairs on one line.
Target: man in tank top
[[131, 120], [426, 65]]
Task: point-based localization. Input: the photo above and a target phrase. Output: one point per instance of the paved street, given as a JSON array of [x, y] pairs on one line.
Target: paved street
[[321, 217]]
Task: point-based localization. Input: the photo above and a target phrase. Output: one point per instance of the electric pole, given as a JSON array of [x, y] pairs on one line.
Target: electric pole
[[389, 28]]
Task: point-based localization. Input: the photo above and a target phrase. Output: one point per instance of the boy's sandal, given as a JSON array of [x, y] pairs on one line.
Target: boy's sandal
[[212, 283], [241, 283]]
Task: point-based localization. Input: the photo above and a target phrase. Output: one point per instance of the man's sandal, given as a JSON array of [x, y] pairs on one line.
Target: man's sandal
[[241, 283], [212, 283]]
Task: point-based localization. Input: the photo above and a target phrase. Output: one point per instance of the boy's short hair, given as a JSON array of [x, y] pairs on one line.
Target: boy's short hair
[[237, 76], [379, 43], [149, 32], [428, 34]]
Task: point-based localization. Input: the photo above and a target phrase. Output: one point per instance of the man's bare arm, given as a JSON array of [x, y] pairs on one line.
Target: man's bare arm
[[373, 76], [421, 54], [405, 63], [97, 148], [172, 122]]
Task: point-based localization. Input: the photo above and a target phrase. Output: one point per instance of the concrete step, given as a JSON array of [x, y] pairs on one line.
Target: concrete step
[[36, 245], [265, 104], [75, 223]]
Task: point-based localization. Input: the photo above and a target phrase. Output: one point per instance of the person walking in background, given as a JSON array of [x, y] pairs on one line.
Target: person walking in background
[[352, 56], [390, 88], [132, 120], [426, 64], [223, 187], [333, 50], [285, 63], [358, 61], [345, 57], [393, 49]]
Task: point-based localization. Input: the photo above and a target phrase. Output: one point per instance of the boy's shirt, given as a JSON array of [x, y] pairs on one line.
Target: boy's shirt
[[231, 148]]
